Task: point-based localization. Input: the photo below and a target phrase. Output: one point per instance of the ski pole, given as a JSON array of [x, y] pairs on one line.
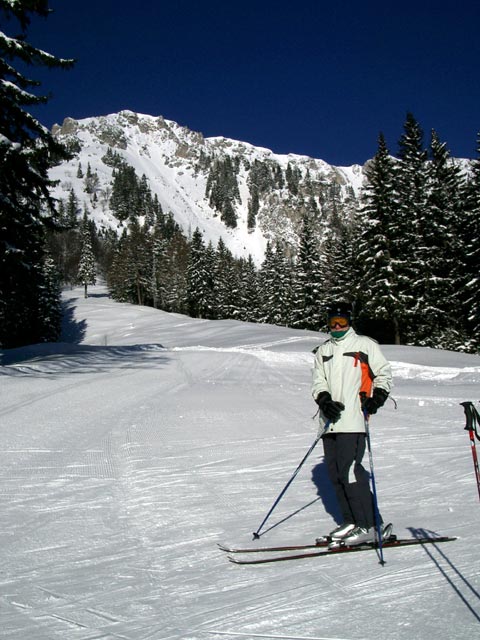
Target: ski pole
[[472, 423], [376, 511], [256, 534]]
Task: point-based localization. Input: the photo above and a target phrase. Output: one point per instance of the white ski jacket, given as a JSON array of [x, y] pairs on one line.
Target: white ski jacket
[[345, 367]]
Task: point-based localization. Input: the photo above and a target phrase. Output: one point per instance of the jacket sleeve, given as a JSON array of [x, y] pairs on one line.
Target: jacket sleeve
[[319, 381], [381, 369]]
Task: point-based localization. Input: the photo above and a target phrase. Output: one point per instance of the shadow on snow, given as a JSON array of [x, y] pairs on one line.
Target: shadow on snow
[[421, 533], [70, 356], [325, 493], [56, 359], [72, 330]]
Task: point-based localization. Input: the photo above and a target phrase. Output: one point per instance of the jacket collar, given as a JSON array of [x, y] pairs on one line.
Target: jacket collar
[[350, 332]]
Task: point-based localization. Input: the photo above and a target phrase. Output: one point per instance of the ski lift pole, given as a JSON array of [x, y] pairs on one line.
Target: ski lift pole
[[256, 534], [472, 424], [376, 511]]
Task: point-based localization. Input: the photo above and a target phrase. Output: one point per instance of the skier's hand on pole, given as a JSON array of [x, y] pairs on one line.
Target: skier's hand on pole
[[331, 409], [377, 400]]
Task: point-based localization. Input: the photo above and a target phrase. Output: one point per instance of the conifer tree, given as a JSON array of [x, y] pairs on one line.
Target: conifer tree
[[124, 200], [411, 244], [283, 294], [27, 151], [443, 252], [225, 283], [139, 256], [50, 302], [161, 269], [222, 189], [64, 248], [119, 274], [212, 303], [470, 236], [130, 278], [292, 176], [107, 241], [159, 252], [248, 294], [411, 226], [174, 282], [260, 178], [276, 283], [86, 274], [337, 263], [266, 283], [199, 279], [72, 211], [306, 284], [91, 183], [379, 279]]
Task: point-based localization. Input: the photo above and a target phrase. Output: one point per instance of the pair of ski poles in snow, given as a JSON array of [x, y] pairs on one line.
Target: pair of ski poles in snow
[[473, 424], [378, 527], [256, 534]]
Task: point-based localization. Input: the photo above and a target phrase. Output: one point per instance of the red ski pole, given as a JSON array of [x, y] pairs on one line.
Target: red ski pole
[[473, 421]]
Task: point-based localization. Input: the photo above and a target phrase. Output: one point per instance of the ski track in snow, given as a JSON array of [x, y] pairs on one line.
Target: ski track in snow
[[126, 457]]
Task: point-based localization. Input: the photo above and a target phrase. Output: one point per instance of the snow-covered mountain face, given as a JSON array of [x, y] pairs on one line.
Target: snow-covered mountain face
[[178, 163]]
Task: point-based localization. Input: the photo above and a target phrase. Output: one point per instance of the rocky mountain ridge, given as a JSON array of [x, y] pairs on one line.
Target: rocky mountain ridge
[[244, 194]]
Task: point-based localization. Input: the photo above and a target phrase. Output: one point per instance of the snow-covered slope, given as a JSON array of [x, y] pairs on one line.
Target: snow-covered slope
[[177, 161], [144, 439]]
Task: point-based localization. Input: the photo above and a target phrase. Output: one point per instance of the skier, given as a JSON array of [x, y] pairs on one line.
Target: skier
[[351, 378]]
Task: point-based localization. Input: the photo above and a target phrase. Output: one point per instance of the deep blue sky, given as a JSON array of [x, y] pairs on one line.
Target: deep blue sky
[[313, 77]]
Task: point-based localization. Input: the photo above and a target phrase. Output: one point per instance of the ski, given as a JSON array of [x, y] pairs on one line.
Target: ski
[[390, 543], [321, 542], [293, 547]]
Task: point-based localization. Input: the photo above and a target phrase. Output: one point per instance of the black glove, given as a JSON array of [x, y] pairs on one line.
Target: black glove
[[329, 407], [371, 405]]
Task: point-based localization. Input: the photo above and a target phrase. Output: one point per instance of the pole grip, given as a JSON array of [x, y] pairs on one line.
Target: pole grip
[[467, 407], [472, 418]]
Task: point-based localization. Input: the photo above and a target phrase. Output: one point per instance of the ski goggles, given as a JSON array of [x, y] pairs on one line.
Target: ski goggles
[[337, 321]]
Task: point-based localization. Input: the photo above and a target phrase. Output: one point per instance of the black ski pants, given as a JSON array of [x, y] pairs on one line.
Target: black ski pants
[[343, 456]]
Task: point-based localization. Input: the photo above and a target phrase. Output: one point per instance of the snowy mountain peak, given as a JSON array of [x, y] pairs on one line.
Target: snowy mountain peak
[[229, 189]]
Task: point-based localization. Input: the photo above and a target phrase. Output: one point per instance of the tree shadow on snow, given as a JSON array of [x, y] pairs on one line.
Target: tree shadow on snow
[[99, 295], [69, 356], [57, 359], [72, 330]]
